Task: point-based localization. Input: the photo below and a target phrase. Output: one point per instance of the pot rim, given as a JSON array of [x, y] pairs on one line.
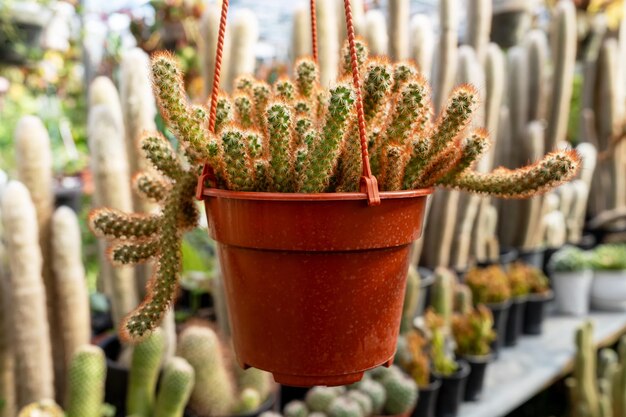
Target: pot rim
[[488, 358], [297, 197], [547, 296], [502, 304]]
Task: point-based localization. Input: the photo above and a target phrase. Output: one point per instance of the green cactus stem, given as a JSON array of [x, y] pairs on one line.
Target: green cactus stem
[[144, 371], [85, 383], [175, 388]]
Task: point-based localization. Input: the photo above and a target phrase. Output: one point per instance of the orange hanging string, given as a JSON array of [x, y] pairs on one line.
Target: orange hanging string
[[314, 30]]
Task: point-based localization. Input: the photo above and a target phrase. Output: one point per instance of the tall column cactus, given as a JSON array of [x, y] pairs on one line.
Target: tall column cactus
[[564, 56], [144, 371], [358, 19], [445, 67], [442, 297], [175, 389], [422, 44], [214, 391], [537, 51], [34, 169], [33, 352], [209, 26], [7, 355], [399, 12], [71, 287], [583, 385], [244, 35], [109, 165], [327, 41], [300, 34], [85, 382], [376, 32], [479, 13]]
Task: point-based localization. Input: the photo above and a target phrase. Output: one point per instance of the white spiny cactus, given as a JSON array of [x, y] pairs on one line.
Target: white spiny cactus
[[479, 13], [209, 26], [327, 41], [399, 12], [445, 64], [422, 44], [376, 32], [301, 34], [244, 37]]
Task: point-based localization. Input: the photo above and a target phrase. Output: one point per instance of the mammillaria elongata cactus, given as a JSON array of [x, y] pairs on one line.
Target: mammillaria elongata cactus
[[85, 387], [433, 152]]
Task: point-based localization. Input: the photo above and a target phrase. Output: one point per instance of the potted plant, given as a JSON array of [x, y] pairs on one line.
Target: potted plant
[[490, 287], [608, 290], [518, 283], [282, 174], [571, 277], [538, 296], [452, 373], [473, 333], [413, 356]]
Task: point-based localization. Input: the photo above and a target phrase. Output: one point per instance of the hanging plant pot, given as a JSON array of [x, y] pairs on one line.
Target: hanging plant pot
[[515, 321], [314, 282], [535, 312]]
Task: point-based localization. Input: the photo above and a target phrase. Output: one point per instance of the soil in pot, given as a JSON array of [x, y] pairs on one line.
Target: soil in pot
[[533, 257], [500, 312], [426, 281], [451, 391], [116, 383], [535, 312], [476, 377], [427, 399], [515, 321]]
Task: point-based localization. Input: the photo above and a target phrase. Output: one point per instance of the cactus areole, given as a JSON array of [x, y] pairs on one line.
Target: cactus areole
[[313, 240]]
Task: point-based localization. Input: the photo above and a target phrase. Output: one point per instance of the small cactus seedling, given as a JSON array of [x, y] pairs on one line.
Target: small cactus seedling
[[304, 139]]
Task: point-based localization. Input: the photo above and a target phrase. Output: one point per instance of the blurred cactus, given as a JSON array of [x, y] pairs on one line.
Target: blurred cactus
[[399, 12], [320, 398], [376, 32], [327, 41], [442, 294], [144, 371], [363, 400], [209, 27], [42, 408], [463, 302], [7, 355], [441, 344], [411, 299], [488, 285], [296, 408], [175, 388], [401, 394], [301, 34], [422, 44], [518, 279], [344, 407], [584, 383], [85, 382], [479, 26], [413, 357], [214, 390], [473, 331], [244, 33], [33, 353], [445, 66]]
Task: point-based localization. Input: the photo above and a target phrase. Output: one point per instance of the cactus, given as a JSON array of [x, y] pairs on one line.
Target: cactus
[[413, 358], [7, 356], [249, 400], [344, 407], [259, 381], [363, 400], [463, 302], [411, 298], [320, 398], [33, 157], [441, 344], [408, 146], [144, 371], [85, 384], [358, 19], [33, 353], [473, 331], [401, 394], [478, 26], [442, 294], [296, 408], [175, 388], [328, 41], [422, 44], [488, 285], [445, 66], [565, 41], [584, 383], [214, 391], [536, 45], [518, 281], [376, 32], [244, 36], [399, 12], [70, 283], [301, 34], [42, 408], [494, 84]]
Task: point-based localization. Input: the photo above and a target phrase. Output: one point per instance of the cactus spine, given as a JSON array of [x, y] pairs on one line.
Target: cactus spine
[[109, 165], [176, 386], [33, 353], [422, 44], [244, 36], [144, 371], [328, 41], [85, 384], [70, 284], [214, 391], [564, 52], [399, 12]]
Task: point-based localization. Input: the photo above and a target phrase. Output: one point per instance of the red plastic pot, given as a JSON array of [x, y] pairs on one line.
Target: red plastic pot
[[314, 282]]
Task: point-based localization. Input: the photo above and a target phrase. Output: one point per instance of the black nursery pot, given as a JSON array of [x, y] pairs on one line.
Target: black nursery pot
[[533, 257], [451, 391], [116, 383], [500, 312], [476, 377], [427, 399], [515, 321], [535, 312]]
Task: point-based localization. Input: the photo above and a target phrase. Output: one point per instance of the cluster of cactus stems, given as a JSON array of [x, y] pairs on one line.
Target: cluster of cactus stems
[[473, 331], [298, 137]]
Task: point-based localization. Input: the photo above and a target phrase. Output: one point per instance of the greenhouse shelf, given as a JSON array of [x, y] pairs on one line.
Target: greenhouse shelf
[[537, 362]]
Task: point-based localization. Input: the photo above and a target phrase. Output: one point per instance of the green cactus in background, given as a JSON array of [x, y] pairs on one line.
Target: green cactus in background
[[144, 371], [411, 298], [175, 388], [344, 407], [296, 408], [584, 384], [85, 383], [473, 331], [442, 294], [214, 390], [462, 299], [376, 392], [401, 394], [249, 400], [45, 408], [306, 145], [364, 401], [256, 379], [319, 398]]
